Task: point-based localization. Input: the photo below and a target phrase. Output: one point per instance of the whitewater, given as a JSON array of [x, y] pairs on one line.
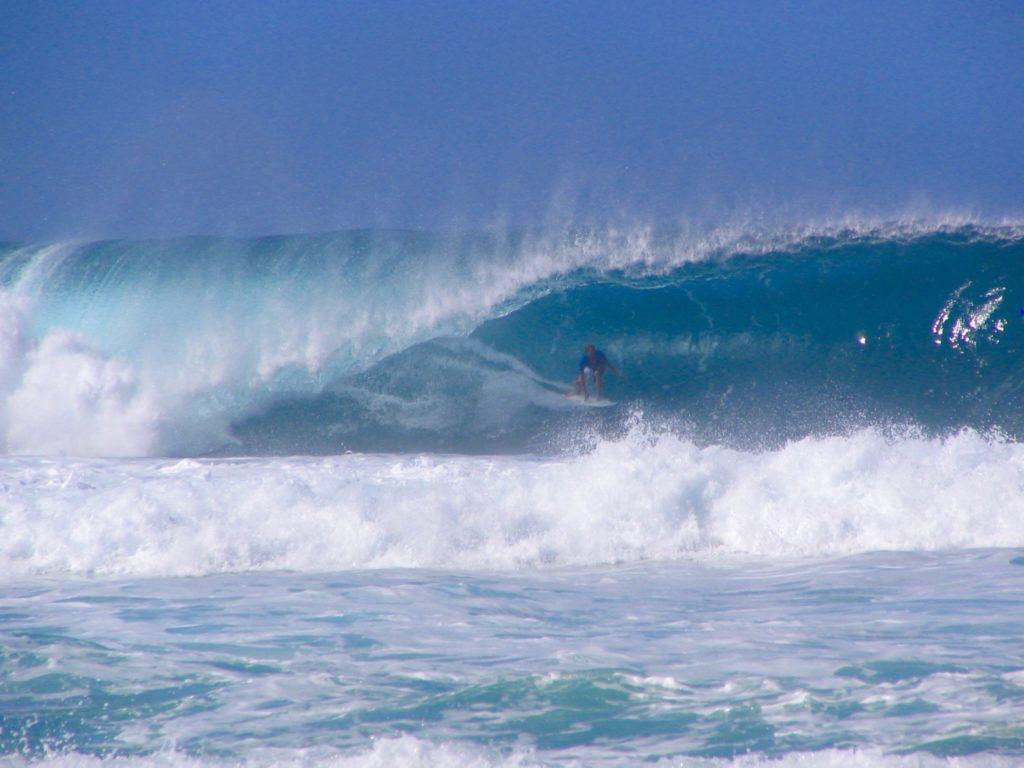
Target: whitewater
[[321, 500]]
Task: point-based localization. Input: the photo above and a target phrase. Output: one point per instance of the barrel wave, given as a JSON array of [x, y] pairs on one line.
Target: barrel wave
[[391, 341], [337, 476]]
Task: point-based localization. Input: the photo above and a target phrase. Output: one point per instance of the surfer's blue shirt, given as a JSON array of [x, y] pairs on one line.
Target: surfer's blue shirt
[[599, 363]]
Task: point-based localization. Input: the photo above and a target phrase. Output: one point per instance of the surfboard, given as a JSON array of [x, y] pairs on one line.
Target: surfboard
[[578, 400]]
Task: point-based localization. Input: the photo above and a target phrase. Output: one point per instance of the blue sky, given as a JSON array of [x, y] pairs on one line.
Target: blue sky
[[153, 119]]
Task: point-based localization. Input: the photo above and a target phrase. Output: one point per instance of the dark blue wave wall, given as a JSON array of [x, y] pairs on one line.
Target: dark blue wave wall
[[830, 335], [751, 350]]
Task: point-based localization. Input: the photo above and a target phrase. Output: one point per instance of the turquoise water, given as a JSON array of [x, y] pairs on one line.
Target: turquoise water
[[600, 665], [319, 500]]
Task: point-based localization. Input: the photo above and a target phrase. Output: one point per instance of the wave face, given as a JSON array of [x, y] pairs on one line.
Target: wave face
[[401, 341]]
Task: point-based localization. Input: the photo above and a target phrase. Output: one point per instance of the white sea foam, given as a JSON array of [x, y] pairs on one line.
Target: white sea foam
[[639, 498], [73, 399], [410, 752], [59, 395]]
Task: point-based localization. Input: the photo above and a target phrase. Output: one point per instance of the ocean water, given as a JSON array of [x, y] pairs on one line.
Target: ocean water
[[320, 499]]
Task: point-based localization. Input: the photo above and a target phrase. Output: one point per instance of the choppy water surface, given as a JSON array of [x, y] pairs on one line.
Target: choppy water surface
[[875, 655]]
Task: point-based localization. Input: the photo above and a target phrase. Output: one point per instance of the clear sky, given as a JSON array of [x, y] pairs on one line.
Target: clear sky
[[161, 118]]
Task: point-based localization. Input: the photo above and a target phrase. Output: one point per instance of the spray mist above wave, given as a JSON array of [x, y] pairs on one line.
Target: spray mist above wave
[[128, 348]]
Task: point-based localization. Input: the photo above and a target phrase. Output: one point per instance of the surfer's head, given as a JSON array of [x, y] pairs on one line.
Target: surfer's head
[[589, 349]]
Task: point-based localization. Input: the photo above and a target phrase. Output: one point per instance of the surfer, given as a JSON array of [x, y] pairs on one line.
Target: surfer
[[594, 362]]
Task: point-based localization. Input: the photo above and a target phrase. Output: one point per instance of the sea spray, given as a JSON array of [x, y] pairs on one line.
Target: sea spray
[[639, 498]]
